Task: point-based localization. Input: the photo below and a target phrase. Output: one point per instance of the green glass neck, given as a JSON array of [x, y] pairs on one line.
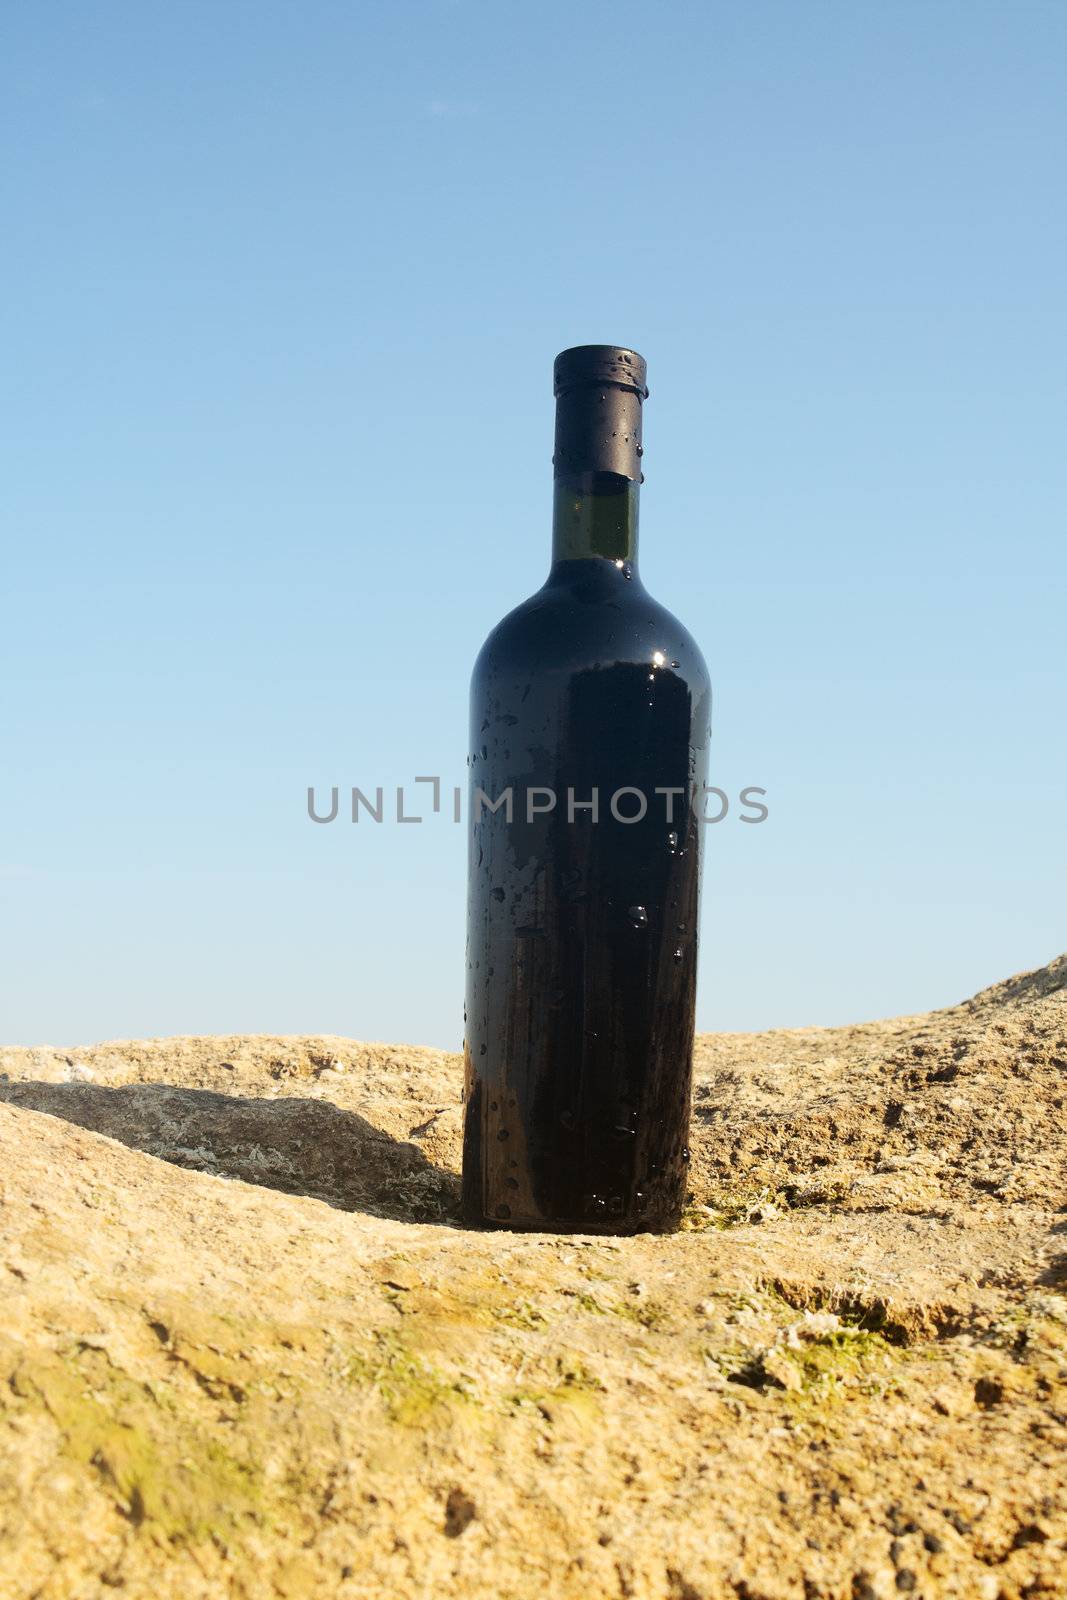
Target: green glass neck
[[594, 514]]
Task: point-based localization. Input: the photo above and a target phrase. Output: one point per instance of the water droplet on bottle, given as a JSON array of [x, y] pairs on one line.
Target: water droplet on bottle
[[627, 569], [568, 1120], [678, 954], [676, 663], [686, 1154], [503, 1134], [485, 753], [638, 916], [503, 1212], [498, 894], [621, 1131], [484, 1050], [484, 725], [672, 840], [681, 928]]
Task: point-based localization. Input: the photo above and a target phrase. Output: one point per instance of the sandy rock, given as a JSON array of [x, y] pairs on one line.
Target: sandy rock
[[246, 1351]]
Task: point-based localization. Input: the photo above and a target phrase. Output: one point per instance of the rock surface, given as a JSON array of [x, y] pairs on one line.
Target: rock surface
[[245, 1350]]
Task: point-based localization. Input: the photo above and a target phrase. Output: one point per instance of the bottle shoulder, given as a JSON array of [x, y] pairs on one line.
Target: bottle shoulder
[[595, 617]]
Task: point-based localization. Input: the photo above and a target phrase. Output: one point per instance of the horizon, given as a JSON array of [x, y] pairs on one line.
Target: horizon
[[406, 1044]]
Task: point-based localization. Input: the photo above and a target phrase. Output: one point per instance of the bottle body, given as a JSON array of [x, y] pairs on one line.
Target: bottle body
[[590, 711]]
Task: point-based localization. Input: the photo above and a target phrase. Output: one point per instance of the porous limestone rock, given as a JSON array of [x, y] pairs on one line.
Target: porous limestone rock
[[245, 1349]]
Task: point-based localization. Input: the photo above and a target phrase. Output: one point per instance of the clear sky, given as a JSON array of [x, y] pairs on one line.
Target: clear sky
[[281, 289]]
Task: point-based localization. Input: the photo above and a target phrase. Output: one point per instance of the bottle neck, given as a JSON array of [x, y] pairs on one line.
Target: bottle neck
[[600, 391], [594, 516]]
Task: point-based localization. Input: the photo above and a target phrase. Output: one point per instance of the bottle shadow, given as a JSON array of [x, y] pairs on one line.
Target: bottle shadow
[[299, 1146]]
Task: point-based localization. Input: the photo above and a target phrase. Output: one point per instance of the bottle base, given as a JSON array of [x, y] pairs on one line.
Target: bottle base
[[613, 1227]]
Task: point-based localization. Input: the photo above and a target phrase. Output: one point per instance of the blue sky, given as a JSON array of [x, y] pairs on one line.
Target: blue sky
[[282, 285]]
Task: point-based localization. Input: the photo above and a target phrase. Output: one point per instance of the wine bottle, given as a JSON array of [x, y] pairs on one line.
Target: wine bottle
[[590, 711]]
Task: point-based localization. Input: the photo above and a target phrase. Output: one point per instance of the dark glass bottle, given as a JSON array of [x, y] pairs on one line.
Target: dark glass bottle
[[590, 711]]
